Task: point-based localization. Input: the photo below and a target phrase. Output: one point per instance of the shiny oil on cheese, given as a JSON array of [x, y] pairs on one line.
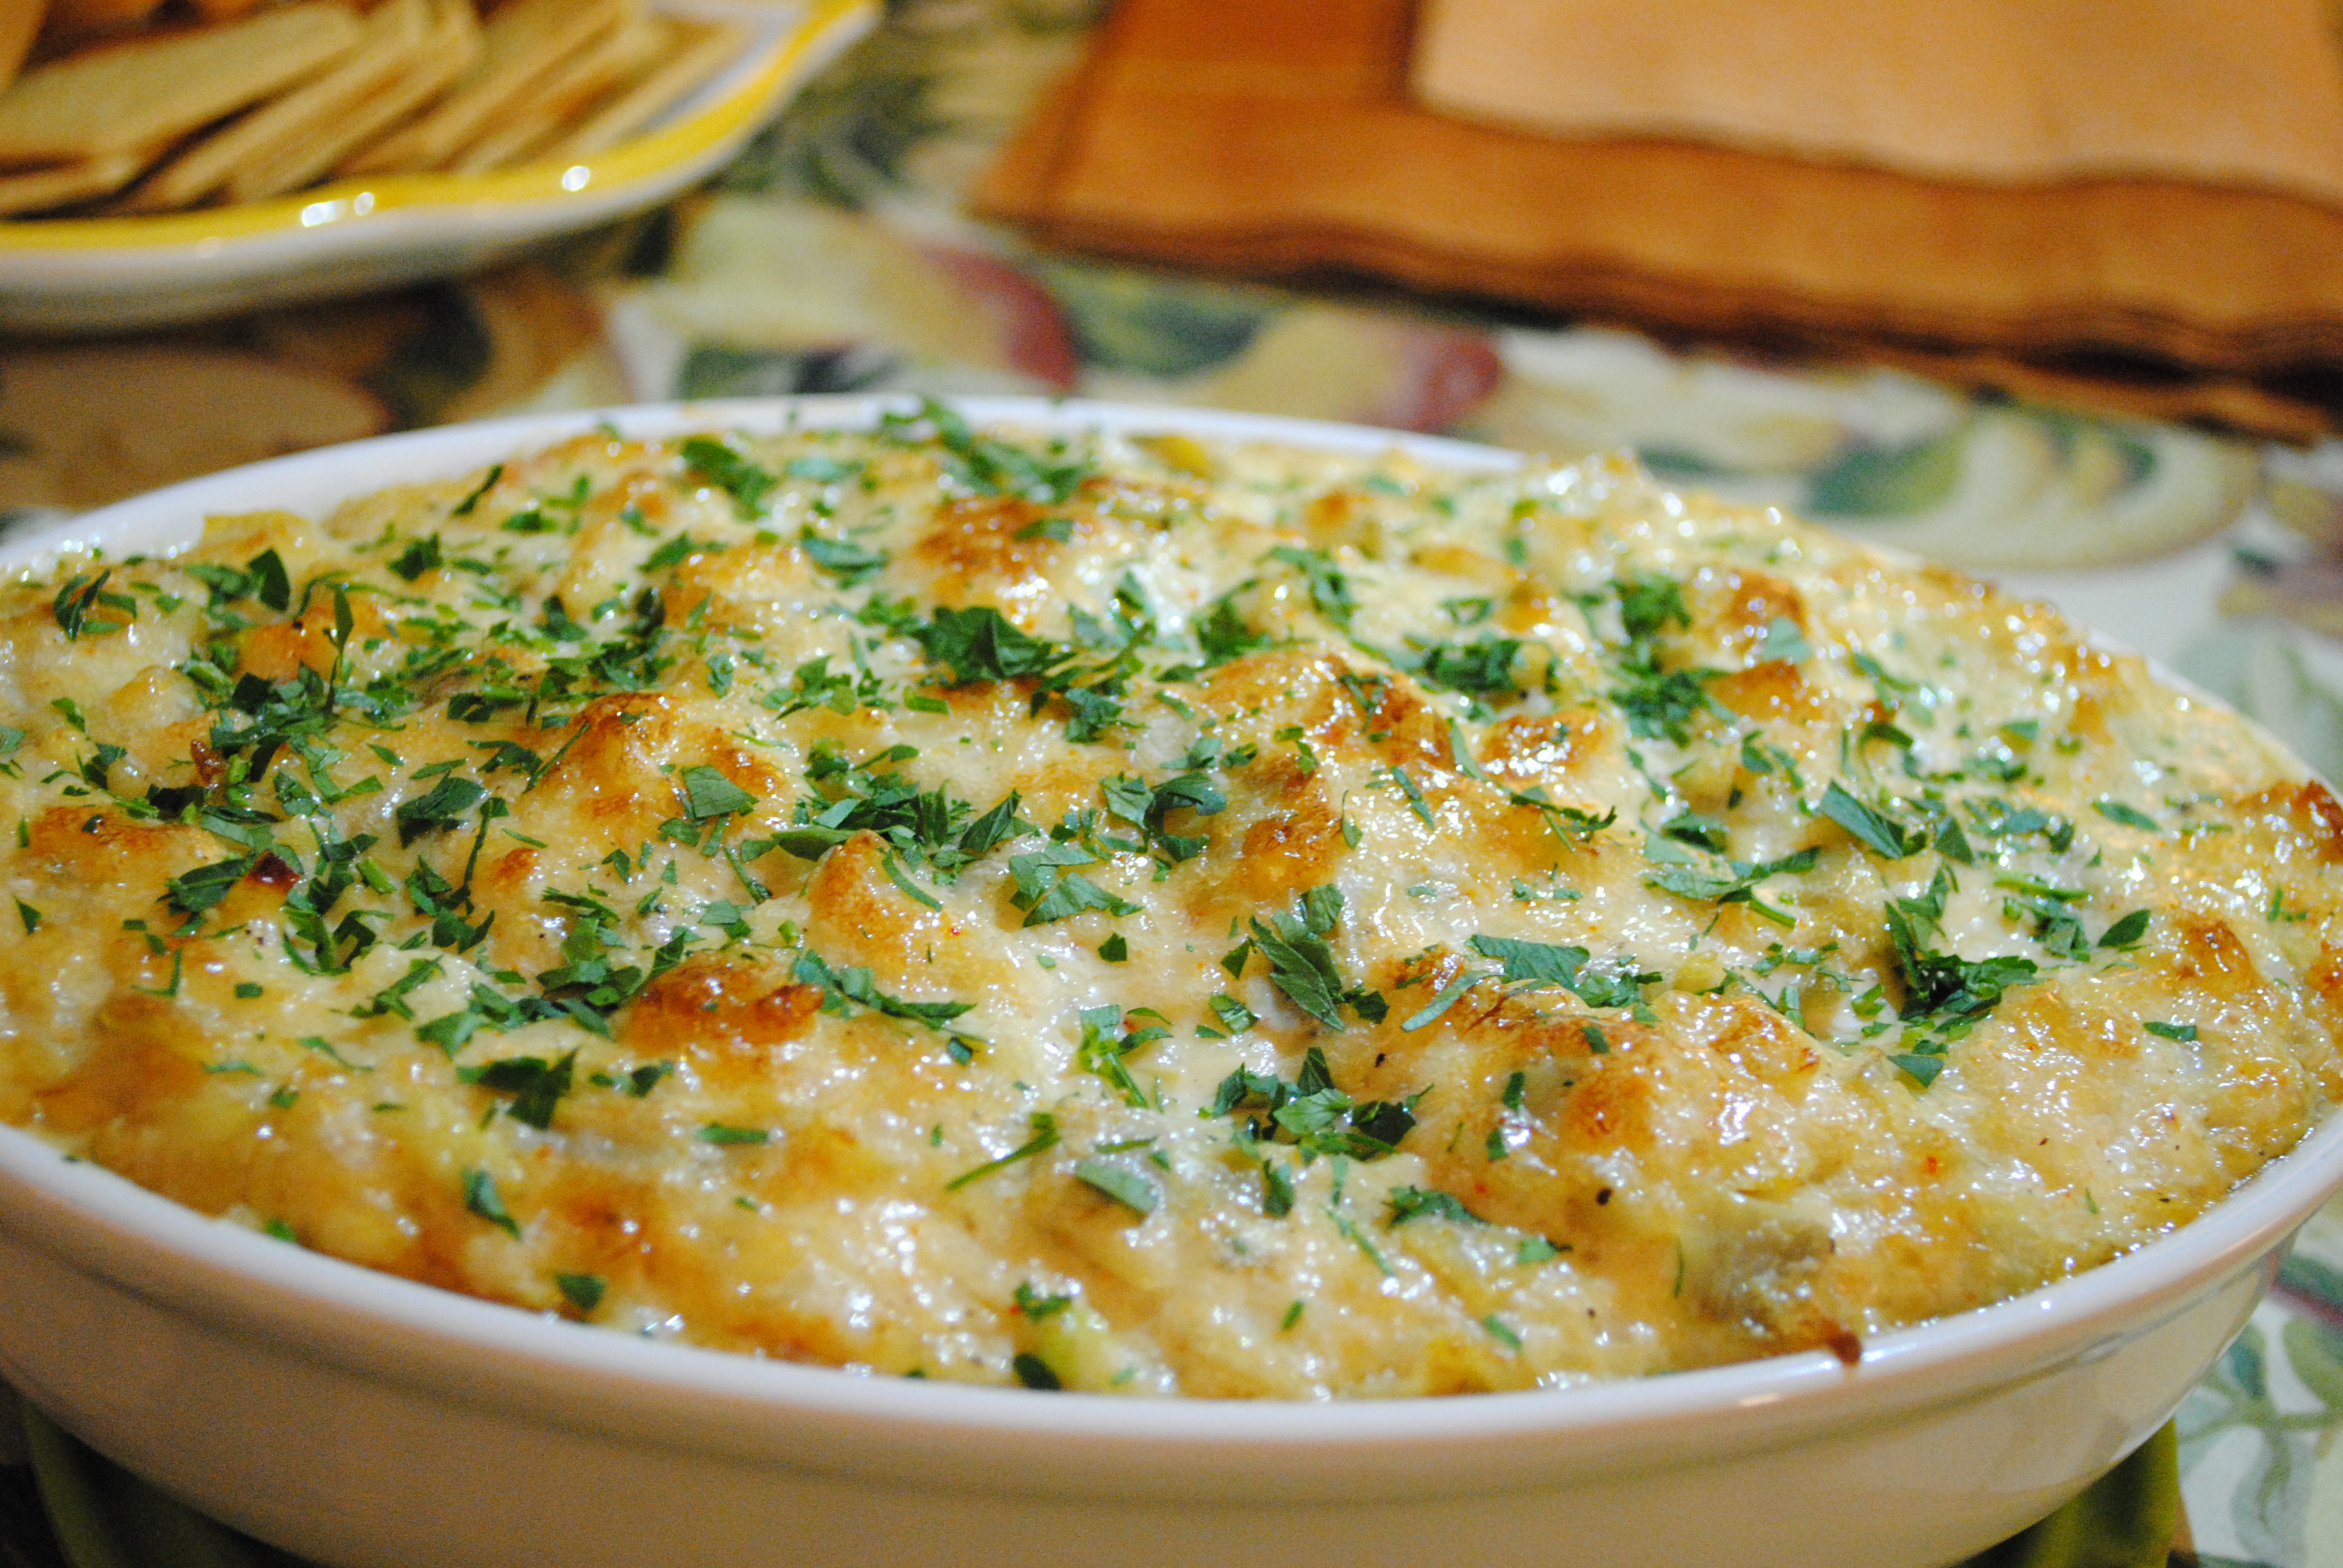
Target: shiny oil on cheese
[[1142, 916]]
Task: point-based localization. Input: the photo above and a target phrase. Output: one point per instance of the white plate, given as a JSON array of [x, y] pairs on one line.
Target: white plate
[[103, 274]]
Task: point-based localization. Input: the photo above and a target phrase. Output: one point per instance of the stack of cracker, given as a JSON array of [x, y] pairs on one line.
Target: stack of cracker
[[133, 105]]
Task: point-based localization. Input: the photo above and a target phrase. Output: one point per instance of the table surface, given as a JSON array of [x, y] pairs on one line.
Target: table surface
[[834, 256]]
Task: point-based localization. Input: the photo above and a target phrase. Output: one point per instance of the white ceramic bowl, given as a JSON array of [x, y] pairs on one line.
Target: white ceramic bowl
[[368, 1421], [107, 274]]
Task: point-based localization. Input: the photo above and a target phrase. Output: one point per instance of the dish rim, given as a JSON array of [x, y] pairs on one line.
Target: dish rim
[[371, 207], [354, 1316]]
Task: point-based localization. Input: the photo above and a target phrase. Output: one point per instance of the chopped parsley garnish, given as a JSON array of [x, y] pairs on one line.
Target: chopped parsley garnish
[[708, 793], [1235, 1016], [1649, 605], [443, 806], [982, 644], [1662, 705], [85, 592], [1993, 818], [1880, 833], [1484, 667], [1658, 703], [1044, 1128], [1784, 641], [1150, 809], [854, 985], [1034, 1372], [721, 1133], [2183, 1033], [729, 471], [270, 585], [921, 825], [1397, 774], [1047, 891], [463, 507], [850, 563], [583, 1291], [2129, 816], [1945, 995], [193, 892], [673, 553], [1439, 1003], [481, 1198], [1722, 881], [1535, 964], [1107, 1038], [1222, 634], [1303, 967], [986, 464], [822, 471], [641, 1080], [1313, 1114], [995, 827], [1569, 823], [1700, 831], [1276, 1191], [1038, 1307], [1330, 590], [421, 556], [487, 1008], [1127, 1186], [536, 1085], [1428, 1203]]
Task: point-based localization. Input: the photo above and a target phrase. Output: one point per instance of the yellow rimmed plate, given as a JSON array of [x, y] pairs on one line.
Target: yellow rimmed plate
[[102, 274]]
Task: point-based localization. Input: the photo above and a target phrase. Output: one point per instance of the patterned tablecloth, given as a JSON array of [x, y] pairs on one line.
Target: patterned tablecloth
[[834, 256]]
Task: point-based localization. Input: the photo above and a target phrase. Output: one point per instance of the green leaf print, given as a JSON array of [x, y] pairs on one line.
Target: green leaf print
[[1889, 481]]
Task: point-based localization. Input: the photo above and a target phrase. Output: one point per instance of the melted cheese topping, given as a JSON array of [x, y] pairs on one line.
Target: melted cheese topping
[[1144, 916]]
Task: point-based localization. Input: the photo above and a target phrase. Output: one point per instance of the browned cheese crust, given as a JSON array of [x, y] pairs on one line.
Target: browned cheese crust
[[1144, 916]]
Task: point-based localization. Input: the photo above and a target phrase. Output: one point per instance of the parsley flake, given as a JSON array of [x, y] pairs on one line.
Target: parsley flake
[[481, 1198], [708, 793], [583, 1291], [1879, 832], [1131, 1188], [729, 471], [1428, 1203], [2115, 811]]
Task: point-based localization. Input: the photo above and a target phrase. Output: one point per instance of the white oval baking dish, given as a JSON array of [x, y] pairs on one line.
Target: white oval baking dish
[[368, 1421]]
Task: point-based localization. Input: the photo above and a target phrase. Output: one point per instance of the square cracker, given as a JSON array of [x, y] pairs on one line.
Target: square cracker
[[699, 51], [565, 93], [37, 190], [142, 92], [20, 23], [454, 48], [395, 32], [520, 43]]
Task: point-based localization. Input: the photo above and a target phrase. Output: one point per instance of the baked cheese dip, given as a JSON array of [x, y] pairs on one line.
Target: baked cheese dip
[[1134, 916]]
